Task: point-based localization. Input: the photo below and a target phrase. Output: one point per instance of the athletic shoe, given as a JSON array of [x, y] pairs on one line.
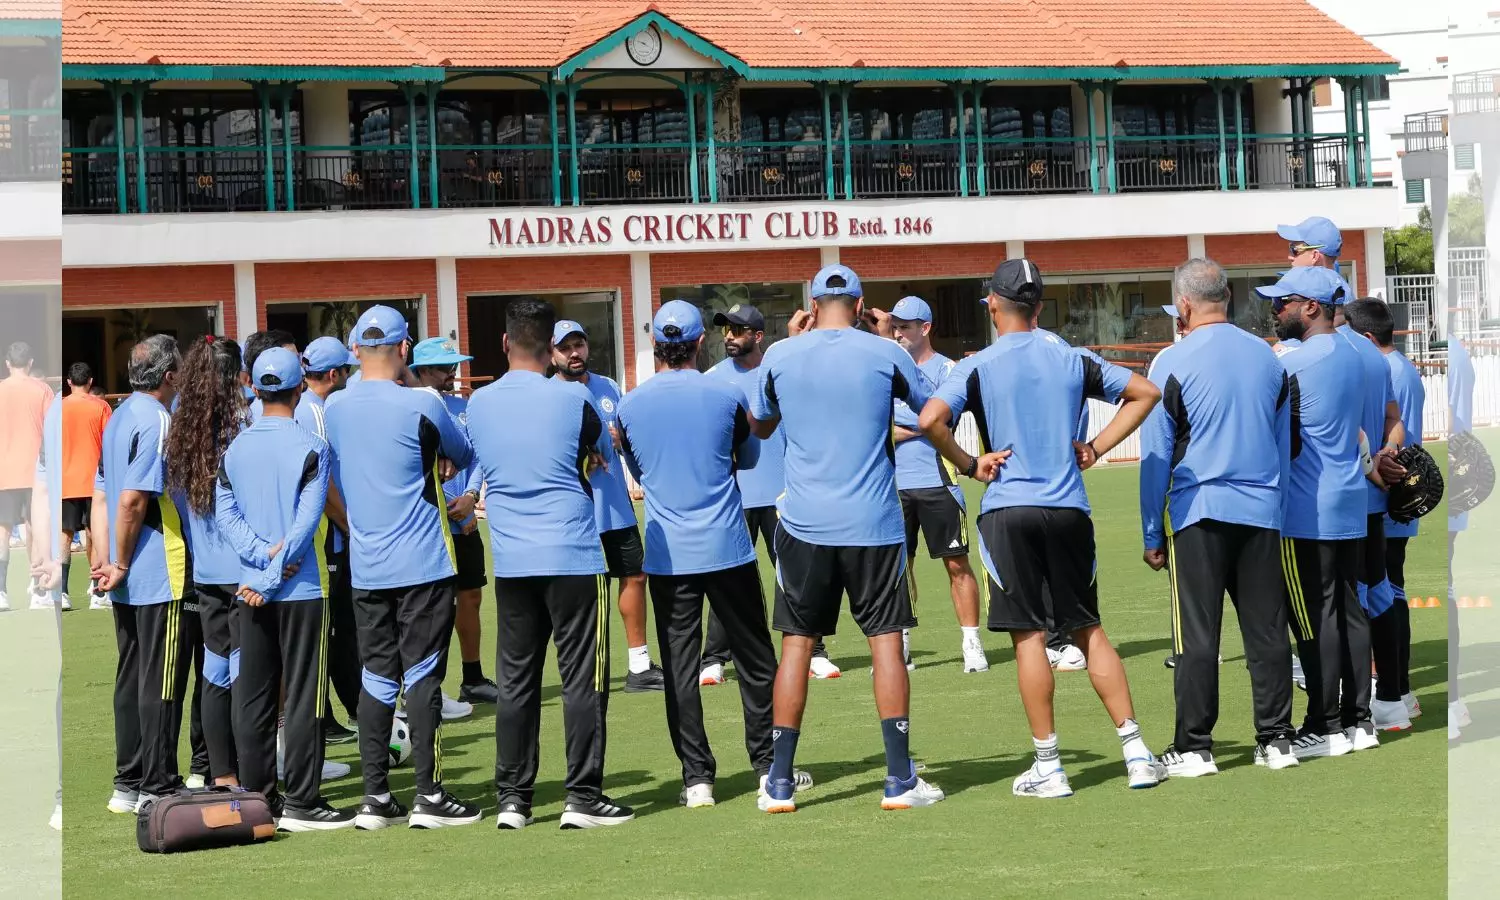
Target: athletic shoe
[[906, 793], [55, 823], [1189, 763], [374, 815], [1147, 773], [1170, 662], [595, 814], [696, 795], [194, 782], [65, 602], [123, 801], [485, 691], [1068, 659], [1453, 732], [447, 811], [314, 818], [823, 667], [332, 770], [513, 817], [974, 658], [712, 674], [1363, 737], [336, 732], [653, 679], [42, 600], [1299, 678], [777, 796], [1389, 715], [1413, 705], [1311, 746], [1035, 783], [906, 650], [455, 709], [4, 602], [1276, 754], [99, 600], [1458, 711]]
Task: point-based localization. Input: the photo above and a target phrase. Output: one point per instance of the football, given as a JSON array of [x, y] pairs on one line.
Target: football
[[400, 743]]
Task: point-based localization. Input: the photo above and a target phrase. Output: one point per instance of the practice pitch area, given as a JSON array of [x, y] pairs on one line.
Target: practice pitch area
[[1316, 827]]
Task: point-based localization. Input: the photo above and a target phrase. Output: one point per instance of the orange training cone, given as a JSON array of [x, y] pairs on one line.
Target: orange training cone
[[1484, 601], [1465, 602]]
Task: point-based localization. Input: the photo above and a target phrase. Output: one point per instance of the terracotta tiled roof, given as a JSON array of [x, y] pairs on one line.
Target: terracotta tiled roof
[[29, 9], [544, 34]]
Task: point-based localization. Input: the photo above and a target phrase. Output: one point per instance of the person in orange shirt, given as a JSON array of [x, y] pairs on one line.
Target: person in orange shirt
[[23, 405], [84, 416]]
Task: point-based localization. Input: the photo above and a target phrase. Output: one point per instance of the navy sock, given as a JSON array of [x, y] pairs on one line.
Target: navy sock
[[897, 747], [473, 672], [63, 589], [4, 568], [783, 752]]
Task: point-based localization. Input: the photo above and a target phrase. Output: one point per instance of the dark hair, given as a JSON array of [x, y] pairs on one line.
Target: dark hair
[[326, 374], [1367, 315], [79, 374], [675, 355], [528, 324], [210, 413], [261, 341], [1013, 307], [1326, 310], [151, 360], [282, 396], [19, 355]]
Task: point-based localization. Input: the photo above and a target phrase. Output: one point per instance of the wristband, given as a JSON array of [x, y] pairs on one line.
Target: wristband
[[973, 467], [1094, 450]]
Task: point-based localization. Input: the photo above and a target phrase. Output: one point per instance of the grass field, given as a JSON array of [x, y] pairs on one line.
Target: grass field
[[1312, 829]]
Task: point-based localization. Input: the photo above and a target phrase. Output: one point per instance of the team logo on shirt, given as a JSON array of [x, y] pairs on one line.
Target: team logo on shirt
[[607, 405]]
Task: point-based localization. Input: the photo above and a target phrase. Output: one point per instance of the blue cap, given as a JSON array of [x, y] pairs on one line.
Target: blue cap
[[327, 353], [276, 370], [351, 344], [677, 322], [1170, 309], [912, 309], [1312, 282], [390, 325], [562, 329], [845, 283], [437, 352], [1317, 233]]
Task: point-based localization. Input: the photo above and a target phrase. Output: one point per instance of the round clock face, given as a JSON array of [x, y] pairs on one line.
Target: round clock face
[[644, 47]]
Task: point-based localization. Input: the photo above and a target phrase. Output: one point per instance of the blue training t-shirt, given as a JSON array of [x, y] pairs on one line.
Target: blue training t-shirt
[[532, 437], [918, 464], [467, 478], [134, 459], [387, 439], [1025, 392], [1377, 393], [1411, 397], [1216, 445], [214, 558], [1324, 500], [612, 505], [679, 431], [833, 390], [762, 481], [1460, 405]]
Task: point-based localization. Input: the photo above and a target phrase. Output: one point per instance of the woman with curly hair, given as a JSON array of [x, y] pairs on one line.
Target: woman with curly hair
[[211, 412]]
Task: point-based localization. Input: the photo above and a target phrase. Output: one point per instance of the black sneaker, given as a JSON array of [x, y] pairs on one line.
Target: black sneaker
[[1170, 662], [374, 815], [334, 732], [513, 816], [485, 691], [653, 679], [321, 817], [446, 811], [595, 814]]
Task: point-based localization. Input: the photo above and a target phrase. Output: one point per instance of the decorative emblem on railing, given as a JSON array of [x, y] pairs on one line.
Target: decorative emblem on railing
[[1037, 169], [205, 182], [772, 175], [352, 179], [494, 176], [1166, 166], [906, 171], [634, 175], [1295, 161]]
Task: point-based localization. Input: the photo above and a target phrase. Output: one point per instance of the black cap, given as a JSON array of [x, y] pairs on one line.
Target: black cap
[[742, 314], [1017, 280]]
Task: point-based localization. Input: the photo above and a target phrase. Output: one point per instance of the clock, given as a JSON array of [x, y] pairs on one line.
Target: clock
[[644, 47]]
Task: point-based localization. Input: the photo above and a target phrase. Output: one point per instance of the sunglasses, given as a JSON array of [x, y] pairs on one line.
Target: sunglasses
[[737, 330], [1298, 249], [1280, 303]]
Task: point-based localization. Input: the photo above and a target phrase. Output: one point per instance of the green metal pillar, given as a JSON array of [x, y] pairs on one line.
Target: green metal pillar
[[265, 146], [713, 152], [1109, 135], [551, 90], [1364, 112], [1351, 151], [122, 194], [286, 143], [572, 94], [690, 90], [963, 143], [432, 154], [136, 90], [413, 180], [844, 88], [1218, 88], [827, 143], [1239, 134], [1089, 89], [979, 162]]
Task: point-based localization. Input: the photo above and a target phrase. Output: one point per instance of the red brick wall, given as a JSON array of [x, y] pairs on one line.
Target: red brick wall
[[152, 286], [511, 275], [731, 267], [347, 280], [30, 261], [1271, 250], [1107, 255], [939, 261]]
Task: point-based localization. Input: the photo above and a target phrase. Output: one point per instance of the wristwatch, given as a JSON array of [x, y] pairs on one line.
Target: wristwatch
[[471, 493], [973, 467]]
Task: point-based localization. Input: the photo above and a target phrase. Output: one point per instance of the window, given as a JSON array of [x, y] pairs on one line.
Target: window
[[1088, 311], [595, 311], [1376, 88], [1416, 190], [776, 303], [334, 318], [1012, 112], [1152, 110], [1463, 157]]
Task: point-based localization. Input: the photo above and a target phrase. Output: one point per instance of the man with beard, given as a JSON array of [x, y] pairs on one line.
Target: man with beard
[[760, 484]]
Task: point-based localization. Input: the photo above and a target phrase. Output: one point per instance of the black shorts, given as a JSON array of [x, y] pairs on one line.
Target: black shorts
[[812, 579], [761, 520], [1031, 553], [75, 515], [939, 513], [15, 507], [468, 552], [623, 555]]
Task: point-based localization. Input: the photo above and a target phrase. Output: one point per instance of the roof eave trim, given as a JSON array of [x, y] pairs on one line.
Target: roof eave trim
[[38, 28], [1068, 73], [617, 37], [165, 72]]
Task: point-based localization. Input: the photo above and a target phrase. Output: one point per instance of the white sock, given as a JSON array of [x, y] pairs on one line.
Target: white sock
[[1131, 744], [906, 643], [433, 798], [381, 798], [971, 633], [1047, 759], [640, 659]]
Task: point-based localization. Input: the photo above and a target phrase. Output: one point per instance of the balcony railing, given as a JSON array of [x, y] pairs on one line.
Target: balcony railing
[[228, 179], [1477, 92], [1426, 131]]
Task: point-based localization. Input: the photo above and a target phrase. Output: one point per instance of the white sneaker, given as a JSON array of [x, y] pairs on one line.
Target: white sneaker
[[974, 658], [906, 649], [1148, 773], [99, 600], [1276, 754], [4, 602], [456, 709], [513, 817], [66, 602], [55, 823], [1363, 736], [1068, 659], [1312, 746], [1299, 678], [712, 674], [823, 667], [696, 795], [1034, 783], [1453, 732], [1413, 705], [1389, 715], [194, 782], [123, 801], [1189, 763], [904, 795], [42, 600], [332, 770], [1458, 711]]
